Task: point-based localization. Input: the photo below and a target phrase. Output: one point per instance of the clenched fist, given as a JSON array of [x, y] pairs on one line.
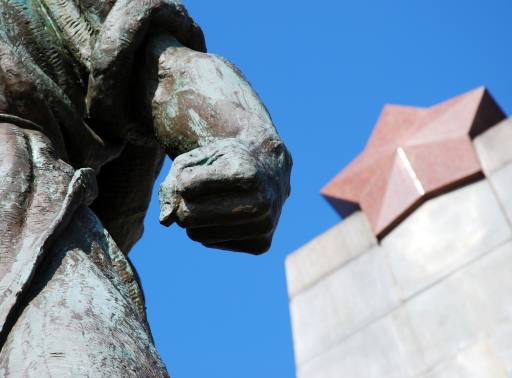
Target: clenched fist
[[224, 196]]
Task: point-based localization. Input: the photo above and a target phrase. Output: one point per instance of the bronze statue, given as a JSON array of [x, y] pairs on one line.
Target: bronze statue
[[93, 94]]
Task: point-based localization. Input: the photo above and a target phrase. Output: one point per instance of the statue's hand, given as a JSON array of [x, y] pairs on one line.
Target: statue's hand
[[226, 196]]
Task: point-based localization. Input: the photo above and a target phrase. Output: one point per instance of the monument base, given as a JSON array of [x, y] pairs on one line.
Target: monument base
[[431, 299]]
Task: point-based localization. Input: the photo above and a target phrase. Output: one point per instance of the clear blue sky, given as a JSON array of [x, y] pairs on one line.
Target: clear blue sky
[[324, 69]]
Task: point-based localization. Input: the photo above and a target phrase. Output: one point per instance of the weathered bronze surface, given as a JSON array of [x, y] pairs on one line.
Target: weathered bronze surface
[[93, 94]]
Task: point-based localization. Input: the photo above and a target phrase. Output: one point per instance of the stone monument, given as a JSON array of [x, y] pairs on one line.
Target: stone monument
[[93, 95], [415, 281]]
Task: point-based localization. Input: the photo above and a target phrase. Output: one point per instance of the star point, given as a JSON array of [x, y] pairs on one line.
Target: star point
[[413, 154]]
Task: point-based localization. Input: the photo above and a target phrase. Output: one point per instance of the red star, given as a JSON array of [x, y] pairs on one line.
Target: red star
[[413, 154]]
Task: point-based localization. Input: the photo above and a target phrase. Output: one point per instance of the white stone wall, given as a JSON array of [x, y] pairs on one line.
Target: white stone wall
[[432, 299]]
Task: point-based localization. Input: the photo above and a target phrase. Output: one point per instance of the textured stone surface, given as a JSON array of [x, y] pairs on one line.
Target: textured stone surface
[[444, 234], [328, 252], [493, 147], [471, 305], [501, 181], [444, 299], [412, 154], [341, 303], [374, 352], [501, 342], [476, 361], [459, 327], [495, 154]]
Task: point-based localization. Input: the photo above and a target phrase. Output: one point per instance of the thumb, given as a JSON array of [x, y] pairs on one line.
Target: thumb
[[169, 194], [169, 200]]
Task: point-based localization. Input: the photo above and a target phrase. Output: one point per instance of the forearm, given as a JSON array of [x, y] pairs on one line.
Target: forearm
[[193, 99], [231, 171]]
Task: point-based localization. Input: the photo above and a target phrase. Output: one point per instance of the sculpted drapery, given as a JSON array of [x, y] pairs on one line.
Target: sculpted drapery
[[93, 94]]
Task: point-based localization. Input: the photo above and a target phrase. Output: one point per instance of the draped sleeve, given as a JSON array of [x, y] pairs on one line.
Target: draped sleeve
[[111, 88]]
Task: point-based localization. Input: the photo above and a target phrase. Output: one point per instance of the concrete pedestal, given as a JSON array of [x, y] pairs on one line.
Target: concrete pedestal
[[433, 298]]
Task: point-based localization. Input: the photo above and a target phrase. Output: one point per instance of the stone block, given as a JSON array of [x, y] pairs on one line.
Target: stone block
[[493, 147], [477, 361], [341, 304], [328, 252], [472, 304], [443, 234], [459, 327], [372, 353], [501, 181], [502, 344]]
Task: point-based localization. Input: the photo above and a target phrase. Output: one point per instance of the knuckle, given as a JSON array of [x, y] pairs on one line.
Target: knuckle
[[251, 172], [184, 216], [263, 246], [263, 202], [194, 235], [268, 226]]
